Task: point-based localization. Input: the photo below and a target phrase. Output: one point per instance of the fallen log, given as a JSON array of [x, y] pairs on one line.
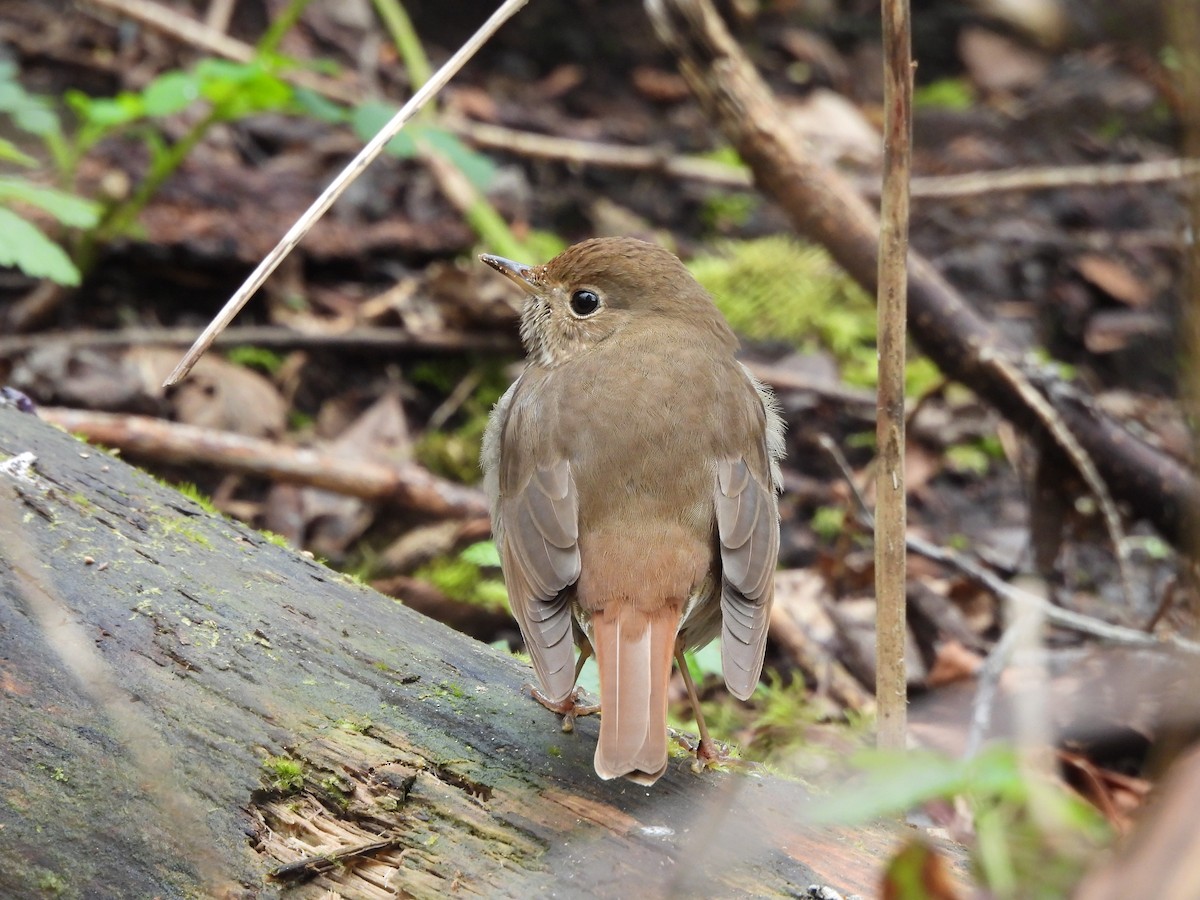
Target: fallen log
[[192, 710]]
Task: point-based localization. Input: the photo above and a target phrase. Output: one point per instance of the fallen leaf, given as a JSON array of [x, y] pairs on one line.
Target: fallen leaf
[[1113, 278]]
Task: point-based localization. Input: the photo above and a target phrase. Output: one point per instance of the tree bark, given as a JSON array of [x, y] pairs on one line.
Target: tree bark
[[187, 706]]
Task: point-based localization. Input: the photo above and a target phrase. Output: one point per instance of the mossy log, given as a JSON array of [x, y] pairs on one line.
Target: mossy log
[[190, 710]]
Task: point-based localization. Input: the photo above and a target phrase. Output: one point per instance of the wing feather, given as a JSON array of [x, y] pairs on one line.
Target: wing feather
[[748, 529], [539, 550]]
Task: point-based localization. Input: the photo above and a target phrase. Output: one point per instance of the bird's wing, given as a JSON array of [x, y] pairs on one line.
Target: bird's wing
[[748, 527], [539, 551]]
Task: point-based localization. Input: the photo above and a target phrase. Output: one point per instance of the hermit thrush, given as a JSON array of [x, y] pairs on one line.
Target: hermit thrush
[[632, 471]]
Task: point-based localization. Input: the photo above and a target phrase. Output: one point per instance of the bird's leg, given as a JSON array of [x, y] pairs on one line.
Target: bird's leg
[[707, 751], [571, 707]]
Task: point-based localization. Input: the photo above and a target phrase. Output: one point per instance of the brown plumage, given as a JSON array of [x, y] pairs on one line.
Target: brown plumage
[[632, 474]]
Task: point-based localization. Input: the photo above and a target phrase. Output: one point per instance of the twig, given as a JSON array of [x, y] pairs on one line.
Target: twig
[[1078, 456], [405, 485], [594, 153], [1063, 618], [926, 187], [987, 682], [311, 866], [569, 150], [1055, 177], [344, 179], [280, 336], [830, 675]]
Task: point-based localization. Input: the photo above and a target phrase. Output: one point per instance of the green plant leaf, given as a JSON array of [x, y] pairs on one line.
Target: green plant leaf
[[106, 112], [368, 118], [893, 782], [948, 93], [10, 152], [170, 93], [67, 208], [29, 112], [242, 89], [478, 169], [317, 107], [24, 246]]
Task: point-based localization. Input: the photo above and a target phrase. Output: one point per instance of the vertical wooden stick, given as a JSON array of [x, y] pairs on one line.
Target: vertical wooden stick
[[890, 514], [1184, 15]]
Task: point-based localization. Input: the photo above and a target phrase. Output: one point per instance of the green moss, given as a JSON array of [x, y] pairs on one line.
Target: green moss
[[277, 539], [198, 497], [50, 883], [181, 527], [725, 155], [284, 774], [722, 212], [828, 521], [775, 288], [946, 93], [260, 358], [454, 451], [472, 576]]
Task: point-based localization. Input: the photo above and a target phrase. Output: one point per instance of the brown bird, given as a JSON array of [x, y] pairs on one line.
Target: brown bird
[[632, 471]]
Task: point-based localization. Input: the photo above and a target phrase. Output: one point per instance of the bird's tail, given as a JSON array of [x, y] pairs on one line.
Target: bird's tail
[[634, 652]]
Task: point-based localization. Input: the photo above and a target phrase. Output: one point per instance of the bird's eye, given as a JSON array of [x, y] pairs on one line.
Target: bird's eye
[[584, 303]]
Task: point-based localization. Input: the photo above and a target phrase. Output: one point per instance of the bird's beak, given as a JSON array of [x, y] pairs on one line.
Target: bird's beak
[[520, 273]]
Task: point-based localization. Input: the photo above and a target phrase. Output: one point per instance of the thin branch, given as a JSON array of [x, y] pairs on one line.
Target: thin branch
[[1056, 177], [595, 153], [344, 179], [278, 336], [1079, 458], [653, 159], [1062, 618], [405, 485]]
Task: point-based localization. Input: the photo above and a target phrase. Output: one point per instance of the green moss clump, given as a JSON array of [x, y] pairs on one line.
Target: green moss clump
[[50, 883], [775, 288], [198, 497], [828, 521], [469, 577], [453, 452], [284, 774]]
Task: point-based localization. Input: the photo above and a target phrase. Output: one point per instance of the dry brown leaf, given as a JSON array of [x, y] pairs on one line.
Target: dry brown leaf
[[999, 64], [953, 662], [1113, 278]]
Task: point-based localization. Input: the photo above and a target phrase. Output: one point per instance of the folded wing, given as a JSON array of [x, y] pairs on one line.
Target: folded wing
[[539, 550], [748, 527]]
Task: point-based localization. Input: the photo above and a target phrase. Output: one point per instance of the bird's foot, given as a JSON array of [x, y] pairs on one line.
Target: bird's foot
[[710, 754], [570, 708]]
